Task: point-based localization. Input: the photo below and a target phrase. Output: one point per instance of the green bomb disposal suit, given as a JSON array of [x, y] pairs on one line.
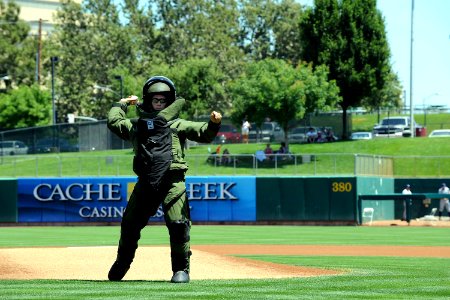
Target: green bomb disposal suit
[[171, 192]]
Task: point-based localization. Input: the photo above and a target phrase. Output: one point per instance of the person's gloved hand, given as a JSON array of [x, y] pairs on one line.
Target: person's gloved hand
[[131, 100], [216, 117]]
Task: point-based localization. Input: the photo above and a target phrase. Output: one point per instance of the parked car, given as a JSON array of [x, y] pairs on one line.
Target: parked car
[[49, 145], [13, 148], [227, 134], [361, 135], [439, 133], [301, 134], [297, 135], [268, 132], [393, 127]]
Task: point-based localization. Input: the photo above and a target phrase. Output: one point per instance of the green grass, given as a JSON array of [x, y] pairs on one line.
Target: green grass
[[364, 278], [44, 236]]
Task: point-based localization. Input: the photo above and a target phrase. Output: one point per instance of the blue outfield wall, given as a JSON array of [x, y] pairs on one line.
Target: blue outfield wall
[[104, 199]]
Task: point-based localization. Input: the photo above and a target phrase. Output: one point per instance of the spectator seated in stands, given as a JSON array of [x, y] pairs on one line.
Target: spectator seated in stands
[[320, 137], [268, 152], [214, 157], [283, 151], [311, 135], [226, 157]]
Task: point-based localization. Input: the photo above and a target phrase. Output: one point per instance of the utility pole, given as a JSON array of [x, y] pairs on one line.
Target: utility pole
[[38, 62], [54, 59], [120, 78], [411, 115]]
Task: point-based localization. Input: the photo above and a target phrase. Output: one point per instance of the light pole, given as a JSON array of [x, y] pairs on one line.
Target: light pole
[[119, 77], [54, 59], [411, 115]]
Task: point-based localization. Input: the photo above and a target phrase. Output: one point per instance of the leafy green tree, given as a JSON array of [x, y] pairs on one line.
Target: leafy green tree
[[198, 29], [186, 28], [17, 49], [139, 22], [271, 29], [287, 31], [349, 37], [256, 38], [90, 43], [25, 107], [276, 90], [201, 82]]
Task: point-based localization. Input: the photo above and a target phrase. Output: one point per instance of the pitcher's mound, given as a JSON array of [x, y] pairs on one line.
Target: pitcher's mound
[[151, 263]]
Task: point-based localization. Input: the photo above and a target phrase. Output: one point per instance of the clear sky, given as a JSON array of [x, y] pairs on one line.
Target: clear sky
[[431, 47]]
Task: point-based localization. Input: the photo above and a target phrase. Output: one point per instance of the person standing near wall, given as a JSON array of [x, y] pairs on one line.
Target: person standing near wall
[[444, 203], [406, 191]]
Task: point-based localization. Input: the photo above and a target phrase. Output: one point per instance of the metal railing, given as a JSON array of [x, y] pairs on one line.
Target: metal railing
[[323, 164]]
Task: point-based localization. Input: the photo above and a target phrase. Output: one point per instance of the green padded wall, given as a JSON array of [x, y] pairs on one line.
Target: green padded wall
[[306, 199], [8, 200]]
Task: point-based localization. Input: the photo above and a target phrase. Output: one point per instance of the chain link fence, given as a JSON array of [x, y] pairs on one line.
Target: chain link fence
[[93, 165], [64, 137]]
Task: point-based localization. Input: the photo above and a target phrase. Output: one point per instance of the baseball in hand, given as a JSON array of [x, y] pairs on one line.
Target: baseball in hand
[[216, 117], [131, 100]]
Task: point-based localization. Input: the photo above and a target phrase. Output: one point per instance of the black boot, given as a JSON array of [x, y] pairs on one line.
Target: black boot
[[118, 270], [128, 244], [121, 266]]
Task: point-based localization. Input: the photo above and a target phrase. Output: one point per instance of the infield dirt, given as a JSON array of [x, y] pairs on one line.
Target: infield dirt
[[207, 261]]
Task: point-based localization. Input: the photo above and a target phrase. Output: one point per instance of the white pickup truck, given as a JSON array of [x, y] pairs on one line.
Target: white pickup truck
[[393, 127]]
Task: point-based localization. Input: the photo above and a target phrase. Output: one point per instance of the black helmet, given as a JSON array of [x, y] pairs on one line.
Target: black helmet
[[158, 85]]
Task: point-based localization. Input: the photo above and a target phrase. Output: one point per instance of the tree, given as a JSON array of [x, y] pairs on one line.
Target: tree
[[256, 38], [90, 43], [286, 30], [201, 82], [198, 29], [349, 37], [16, 48], [142, 29], [273, 88], [389, 97], [271, 29], [25, 107]]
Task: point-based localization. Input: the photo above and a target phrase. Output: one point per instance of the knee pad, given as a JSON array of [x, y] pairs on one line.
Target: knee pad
[[179, 231]]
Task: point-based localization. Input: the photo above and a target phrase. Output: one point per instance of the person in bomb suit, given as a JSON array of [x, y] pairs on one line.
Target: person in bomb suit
[[158, 137]]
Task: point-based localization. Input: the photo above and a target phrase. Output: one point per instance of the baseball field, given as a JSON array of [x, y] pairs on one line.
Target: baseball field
[[231, 262]]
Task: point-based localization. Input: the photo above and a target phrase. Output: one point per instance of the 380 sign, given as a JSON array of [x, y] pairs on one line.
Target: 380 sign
[[341, 187]]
